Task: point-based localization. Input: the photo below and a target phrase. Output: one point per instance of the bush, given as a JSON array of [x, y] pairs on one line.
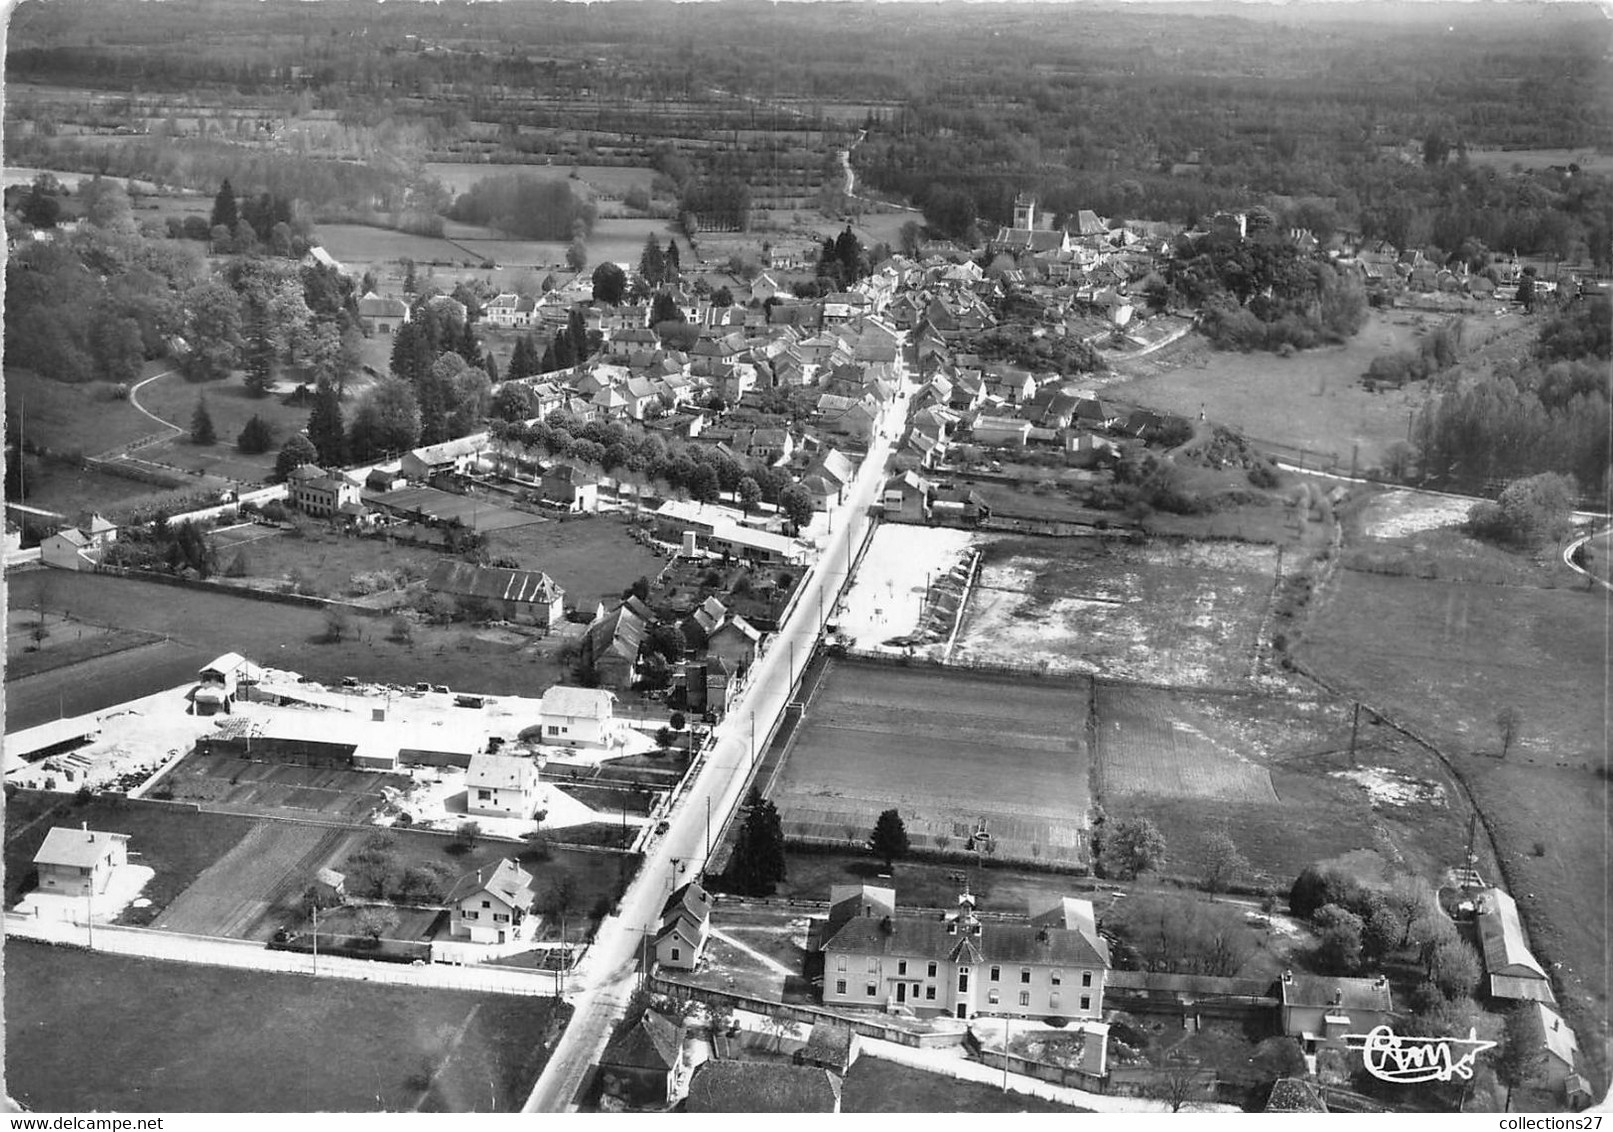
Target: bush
[[1263, 475]]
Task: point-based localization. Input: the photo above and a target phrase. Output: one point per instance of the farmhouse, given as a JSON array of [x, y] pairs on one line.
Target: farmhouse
[[324, 495], [449, 457], [612, 645], [685, 924], [761, 1086], [1560, 1068], [578, 717], [74, 548], [528, 596], [570, 487], [493, 905], [1513, 971], [961, 966], [830, 1046], [642, 1066], [381, 316], [79, 862], [501, 786], [1321, 1010], [735, 642]]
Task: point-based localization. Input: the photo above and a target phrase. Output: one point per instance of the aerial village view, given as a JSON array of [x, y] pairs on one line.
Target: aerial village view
[[742, 557]]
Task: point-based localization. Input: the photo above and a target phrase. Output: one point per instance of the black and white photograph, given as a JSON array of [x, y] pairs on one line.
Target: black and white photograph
[[824, 556]]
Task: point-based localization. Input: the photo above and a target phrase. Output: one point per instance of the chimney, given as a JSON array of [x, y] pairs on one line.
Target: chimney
[[84, 826]]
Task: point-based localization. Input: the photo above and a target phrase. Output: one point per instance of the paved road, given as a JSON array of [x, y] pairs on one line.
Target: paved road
[[605, 978]]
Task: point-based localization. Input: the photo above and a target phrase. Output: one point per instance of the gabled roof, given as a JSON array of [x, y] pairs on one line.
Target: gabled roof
[[1506, 951], [582, 703], [833, 465], [654, 1043], [1330, 990], [495, 583], [1560, 1040], [995, 943], [762, 1086], [690, 902], [620, 631], [75, 848], [507, 880], [739, 625], [1291, 1094], [374, 306], [450, 450], [569, 473], [830, 1045]]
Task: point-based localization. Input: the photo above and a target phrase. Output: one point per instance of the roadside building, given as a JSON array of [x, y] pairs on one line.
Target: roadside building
[[685, 926], [528, 596], [571, 488], [79, 862], [643, 1065], [501, 786], [1321, 1010], [493, 905], [578, 717]]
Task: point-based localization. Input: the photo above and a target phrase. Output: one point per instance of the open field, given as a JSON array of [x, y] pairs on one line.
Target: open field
[[1185, 614], [178, 843], [205, 624], [1445, 657], [884, 1086], [1313, 400], [64, 418], [950, 751], [68, 642], [1144, 746], [280, 789], [244, 1041], [593, 558], [322, 557], [245, 892], [997, 886], [359, 245], [474, 511]]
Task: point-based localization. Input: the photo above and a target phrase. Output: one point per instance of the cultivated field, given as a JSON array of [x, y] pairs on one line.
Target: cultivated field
[[1183, 614], [360, 245], [243, 1041], [593, 559], [1313, 400], [1445, 657], [1589, 160], [283, 789], [949, 751], [1146, 747], [249, 890]]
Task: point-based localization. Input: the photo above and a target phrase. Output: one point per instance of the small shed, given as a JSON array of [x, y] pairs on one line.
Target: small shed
[[330, 886]]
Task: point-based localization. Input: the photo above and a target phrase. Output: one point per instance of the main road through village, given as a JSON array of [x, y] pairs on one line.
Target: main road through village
[[605, 977]]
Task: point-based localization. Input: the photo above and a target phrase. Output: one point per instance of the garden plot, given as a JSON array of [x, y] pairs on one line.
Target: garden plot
[[891, 596], [951, 752], [1182, 614]]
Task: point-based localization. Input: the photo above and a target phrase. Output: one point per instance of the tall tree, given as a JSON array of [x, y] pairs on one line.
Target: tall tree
[[889, 839], [201, 424], [255, 437], [670, 260], [1522, 1053], [294, 453], [225, 213], [1133, 847], [651, 263], [610, 284], [757, 864], [577, 327], [1221, 863], [326, 429], [386, 422]]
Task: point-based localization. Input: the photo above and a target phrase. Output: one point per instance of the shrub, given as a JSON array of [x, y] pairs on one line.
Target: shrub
[[1263, 475]]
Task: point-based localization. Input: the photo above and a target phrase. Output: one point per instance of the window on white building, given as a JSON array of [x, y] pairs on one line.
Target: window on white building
[[1024, 998], [932, 970], [840, 962], [1024, 974], [996, 973], [1086, 1002], [993, 997], [872, 990], [840, 986], [677, 954], [1056, 978], [1053, 1001]]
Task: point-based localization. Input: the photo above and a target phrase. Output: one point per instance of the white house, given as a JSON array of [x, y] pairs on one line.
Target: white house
[[79, 862], [685, 925], [493, 905], [578, 717], [501, 786]]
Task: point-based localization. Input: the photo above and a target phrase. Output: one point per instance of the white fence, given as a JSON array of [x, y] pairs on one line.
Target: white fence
[[217, 952]]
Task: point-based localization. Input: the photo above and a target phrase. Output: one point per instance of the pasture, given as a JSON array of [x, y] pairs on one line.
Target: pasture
[[1445, 657], [271, 789], [321, 558], [247, 1041], [1313, 400], [1172, 613], [592, 558], [361, 245], [951, 751]]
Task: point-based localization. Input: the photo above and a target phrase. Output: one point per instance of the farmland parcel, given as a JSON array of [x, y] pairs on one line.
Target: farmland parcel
[[150, 1036], [954, 751]]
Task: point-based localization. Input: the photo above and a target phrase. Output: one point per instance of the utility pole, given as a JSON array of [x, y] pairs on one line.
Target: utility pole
[[1008, 1030], [1355, 728], [753, 738], [708, 829], [316, 933]]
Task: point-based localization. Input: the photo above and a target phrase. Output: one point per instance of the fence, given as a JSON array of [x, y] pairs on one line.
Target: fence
[[807, 1014], [251, 955], [1067, 1076]]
